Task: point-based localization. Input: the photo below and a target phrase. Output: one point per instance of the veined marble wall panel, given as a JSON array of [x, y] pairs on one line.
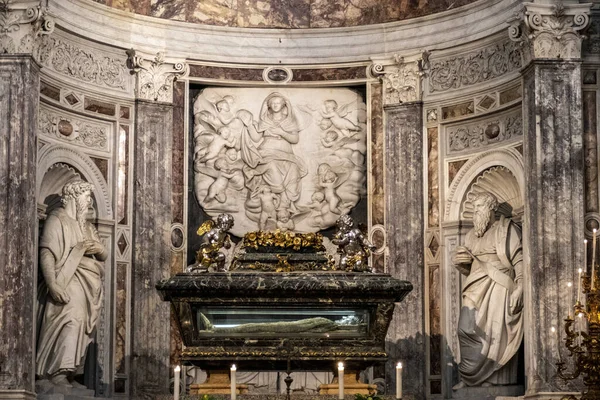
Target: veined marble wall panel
[[292, 14]]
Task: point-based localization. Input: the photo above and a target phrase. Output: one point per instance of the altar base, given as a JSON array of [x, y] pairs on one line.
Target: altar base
[[218, 382], [351, 385]]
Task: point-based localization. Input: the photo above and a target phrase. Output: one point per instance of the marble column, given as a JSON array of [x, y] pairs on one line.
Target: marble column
[[404, 219], [152, 216], [19, 88], [553, 223], [22, 24]]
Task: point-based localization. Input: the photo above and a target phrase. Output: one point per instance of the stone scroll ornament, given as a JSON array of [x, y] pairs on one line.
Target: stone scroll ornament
[[292, 159]]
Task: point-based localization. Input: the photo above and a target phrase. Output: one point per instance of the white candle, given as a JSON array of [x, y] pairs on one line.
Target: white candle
[[176, 388], [593, 256], [579, 286], [399, 380], [570, 286], [341, 380], [233, 385]]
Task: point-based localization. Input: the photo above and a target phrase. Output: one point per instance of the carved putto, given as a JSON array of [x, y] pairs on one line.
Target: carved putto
[[209, 257], [354, 246], [292, 160]]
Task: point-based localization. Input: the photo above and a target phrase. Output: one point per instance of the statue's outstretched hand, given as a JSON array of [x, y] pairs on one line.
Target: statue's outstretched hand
[[516, 300], [58, 294]]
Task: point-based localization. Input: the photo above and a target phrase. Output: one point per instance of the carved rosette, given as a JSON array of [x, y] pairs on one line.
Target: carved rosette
[[550, 31], [401, 79], [21, 24], [155, 77]]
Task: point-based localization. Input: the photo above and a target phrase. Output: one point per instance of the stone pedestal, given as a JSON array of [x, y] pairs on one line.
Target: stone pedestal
[[151, 257], [19, 99], [404, 226], [352, 385], [218, 382]]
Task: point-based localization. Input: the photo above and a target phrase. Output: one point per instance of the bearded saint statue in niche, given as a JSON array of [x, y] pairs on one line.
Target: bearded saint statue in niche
[[294, 160]]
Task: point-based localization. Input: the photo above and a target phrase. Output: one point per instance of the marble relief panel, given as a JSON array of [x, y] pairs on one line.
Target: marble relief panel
[[288, 158]]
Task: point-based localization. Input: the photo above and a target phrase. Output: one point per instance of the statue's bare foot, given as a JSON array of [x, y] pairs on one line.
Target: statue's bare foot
[[459, 385], [486, 384], [60, 380]]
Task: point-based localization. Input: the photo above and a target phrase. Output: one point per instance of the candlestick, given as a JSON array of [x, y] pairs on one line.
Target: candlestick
[[593, 256], [399, 380], [341, 380], [570, 286], [580, 323], [233, 385], [176, 388]]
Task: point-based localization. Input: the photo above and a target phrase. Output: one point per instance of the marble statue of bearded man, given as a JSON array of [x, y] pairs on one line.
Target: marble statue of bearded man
[[71, 261], [490, 328]]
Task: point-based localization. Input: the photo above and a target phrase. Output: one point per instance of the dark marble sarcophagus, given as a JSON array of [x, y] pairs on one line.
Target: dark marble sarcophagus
[[298, 320]]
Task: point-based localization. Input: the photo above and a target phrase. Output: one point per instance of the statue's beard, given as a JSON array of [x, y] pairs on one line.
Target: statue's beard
[[480, 222], [82, 210]]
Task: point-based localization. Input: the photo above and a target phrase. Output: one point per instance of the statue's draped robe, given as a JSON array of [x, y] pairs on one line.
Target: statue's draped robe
[[489, 335], [65, 330]]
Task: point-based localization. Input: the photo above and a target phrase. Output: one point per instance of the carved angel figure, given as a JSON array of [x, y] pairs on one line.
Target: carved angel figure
[[215, 238], [353, 245], [337, 117]]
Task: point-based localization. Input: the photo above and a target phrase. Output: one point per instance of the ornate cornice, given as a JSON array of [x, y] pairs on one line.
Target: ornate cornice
[[155, 77], [550, 31], [401, 78], [21, 24]]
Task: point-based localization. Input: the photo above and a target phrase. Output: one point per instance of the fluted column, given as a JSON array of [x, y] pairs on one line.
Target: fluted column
[[554, 171], [403, 115], [152, 221], [21, 24]]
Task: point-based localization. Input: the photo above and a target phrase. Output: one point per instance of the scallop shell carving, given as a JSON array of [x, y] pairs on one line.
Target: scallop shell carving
[[54, 179], [500, 182]]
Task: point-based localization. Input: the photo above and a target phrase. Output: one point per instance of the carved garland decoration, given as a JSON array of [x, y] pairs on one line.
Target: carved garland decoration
[[68, 59], [72, 130], [476, 67]]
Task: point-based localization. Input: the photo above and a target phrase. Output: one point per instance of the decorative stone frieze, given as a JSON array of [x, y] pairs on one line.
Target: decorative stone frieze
[[479, 66], [21, 24], [401, 78], [73, 130], [86, 65], [550, 31], [155, 77], [484, 133]]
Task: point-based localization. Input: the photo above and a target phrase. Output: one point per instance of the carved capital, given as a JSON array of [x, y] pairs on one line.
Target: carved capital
[[550, 31], [401, 78], [154, 78], [21, 24]]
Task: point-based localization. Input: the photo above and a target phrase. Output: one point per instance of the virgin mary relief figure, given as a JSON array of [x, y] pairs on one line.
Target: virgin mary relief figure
[[284, 165]]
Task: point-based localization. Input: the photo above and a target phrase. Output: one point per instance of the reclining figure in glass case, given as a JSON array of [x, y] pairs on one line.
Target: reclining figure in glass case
[[215, 238]]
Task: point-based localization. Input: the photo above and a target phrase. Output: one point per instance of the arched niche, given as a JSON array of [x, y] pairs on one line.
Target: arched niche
[[501, 164], [58, 165]]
